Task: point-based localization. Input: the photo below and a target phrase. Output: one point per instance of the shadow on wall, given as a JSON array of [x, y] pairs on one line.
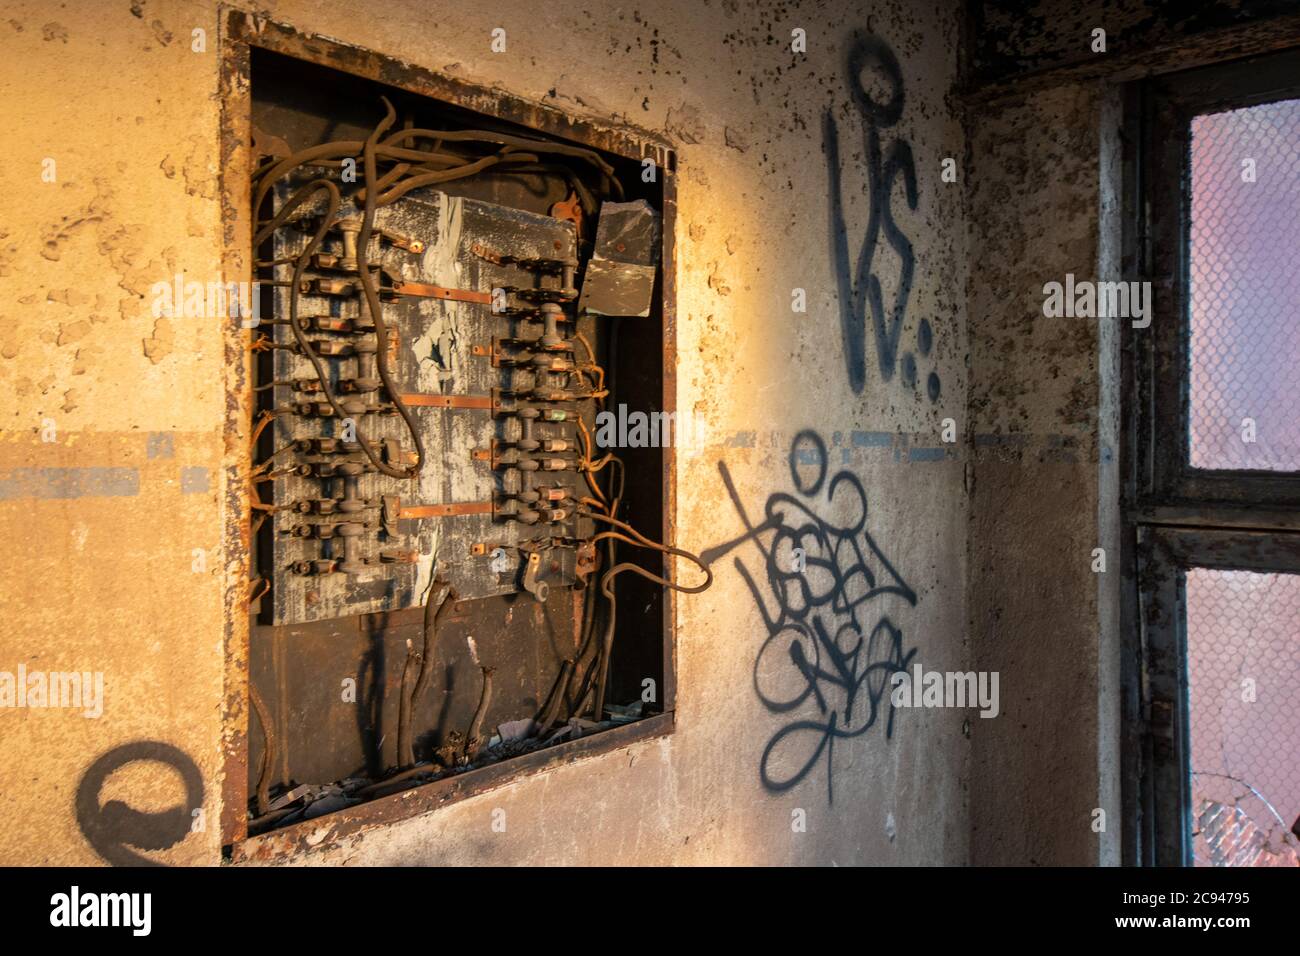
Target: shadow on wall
[[822, 661]]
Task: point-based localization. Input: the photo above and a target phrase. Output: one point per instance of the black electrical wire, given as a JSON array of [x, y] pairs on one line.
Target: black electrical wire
[[376, 312], [458, 167], [609, 179], [607, 586], [438, 177], [267, 761]]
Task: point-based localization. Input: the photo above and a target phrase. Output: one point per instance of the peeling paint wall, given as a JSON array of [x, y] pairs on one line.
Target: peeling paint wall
[[115, 478], [112, 448]]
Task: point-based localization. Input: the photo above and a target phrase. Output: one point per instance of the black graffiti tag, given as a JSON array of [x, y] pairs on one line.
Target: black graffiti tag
[[115, 827], [820, 657], [858, 285]]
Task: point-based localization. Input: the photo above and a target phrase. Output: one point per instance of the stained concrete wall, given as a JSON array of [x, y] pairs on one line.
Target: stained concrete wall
[[1041, 464], [116, 470]]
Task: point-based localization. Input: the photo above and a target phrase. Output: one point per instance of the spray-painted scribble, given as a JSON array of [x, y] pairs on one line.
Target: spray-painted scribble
[[859, 286], [829, 649], [115, 829]]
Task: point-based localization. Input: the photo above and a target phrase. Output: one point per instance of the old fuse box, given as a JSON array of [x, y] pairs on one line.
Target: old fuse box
[[448, 304]]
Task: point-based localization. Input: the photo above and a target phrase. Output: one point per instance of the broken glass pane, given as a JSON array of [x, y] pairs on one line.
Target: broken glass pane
[[1243, 663]]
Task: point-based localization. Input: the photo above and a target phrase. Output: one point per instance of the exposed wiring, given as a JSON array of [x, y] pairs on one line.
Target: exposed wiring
[[607, 587], [413, 168], [262, 422], [412, 689], [376, 312], [266, 587], [393, 164], [474, 739]]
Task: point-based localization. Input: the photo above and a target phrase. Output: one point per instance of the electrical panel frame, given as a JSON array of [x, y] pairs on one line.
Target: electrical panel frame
[[247, 38]]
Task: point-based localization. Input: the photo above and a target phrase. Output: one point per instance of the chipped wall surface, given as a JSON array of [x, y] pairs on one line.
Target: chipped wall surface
[[115, 483]]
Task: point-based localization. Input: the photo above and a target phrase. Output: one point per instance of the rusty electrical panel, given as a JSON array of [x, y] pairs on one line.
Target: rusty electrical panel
[[437, 532]]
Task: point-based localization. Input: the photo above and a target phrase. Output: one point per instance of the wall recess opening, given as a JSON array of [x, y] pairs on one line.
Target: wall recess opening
[[463, 428]]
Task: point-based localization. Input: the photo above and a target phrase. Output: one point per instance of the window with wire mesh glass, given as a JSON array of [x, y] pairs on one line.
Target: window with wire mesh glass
[[1244, 295], [1243, 672], [1244, 378], [1214, 450]]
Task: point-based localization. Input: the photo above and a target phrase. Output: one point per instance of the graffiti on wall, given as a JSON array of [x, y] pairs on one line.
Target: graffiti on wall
[[859, 286], [820, 586], [114, 828]]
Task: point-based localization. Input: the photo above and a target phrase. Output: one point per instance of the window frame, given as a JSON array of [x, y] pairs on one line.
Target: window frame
[[1164, 556], [1173, 516], [1169, 104]]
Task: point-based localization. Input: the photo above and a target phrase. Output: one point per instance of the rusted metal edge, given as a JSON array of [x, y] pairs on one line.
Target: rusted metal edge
[[326, 831], [626, 139], [668, 311], [235, 138]]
